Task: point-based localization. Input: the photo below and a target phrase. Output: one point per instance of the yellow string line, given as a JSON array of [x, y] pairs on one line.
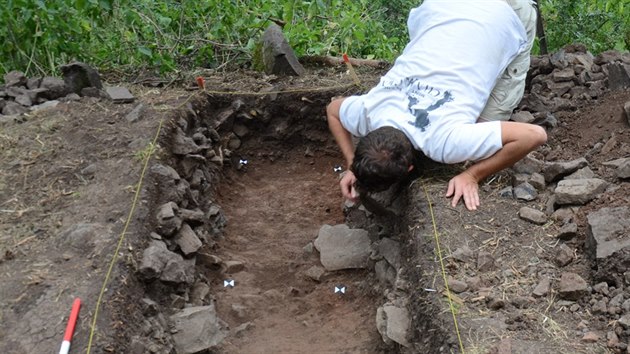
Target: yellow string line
[[251, 93], [439, 251], [122, 235]]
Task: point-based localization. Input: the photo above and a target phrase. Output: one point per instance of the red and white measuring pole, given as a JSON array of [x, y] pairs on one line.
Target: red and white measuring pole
[[67, 338]]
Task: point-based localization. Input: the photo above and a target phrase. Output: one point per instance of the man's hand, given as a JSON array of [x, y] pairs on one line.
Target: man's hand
[[466, 186], [347, 186]]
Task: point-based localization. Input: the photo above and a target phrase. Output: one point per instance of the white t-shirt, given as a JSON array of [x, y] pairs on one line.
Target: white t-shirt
[[439, 85]]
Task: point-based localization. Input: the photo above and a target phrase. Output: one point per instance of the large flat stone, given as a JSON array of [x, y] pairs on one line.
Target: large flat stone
[[393, 324], [197, 329], [608, 241], [553, 171], [278, 56], [579, 191], [343, 248]]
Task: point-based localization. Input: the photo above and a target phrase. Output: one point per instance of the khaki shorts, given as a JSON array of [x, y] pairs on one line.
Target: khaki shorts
[[508, 90]]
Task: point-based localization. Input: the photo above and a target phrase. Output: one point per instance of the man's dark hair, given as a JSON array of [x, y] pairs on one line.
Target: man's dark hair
[[381, 159]]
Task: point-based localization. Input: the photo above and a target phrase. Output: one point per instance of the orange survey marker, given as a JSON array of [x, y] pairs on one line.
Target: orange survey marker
[[201, 83], [351, 69]]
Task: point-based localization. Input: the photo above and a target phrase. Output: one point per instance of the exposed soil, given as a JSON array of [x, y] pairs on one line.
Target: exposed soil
[[67, 181]]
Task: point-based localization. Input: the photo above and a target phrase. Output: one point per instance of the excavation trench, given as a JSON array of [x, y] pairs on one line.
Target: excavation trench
[[266, 170]]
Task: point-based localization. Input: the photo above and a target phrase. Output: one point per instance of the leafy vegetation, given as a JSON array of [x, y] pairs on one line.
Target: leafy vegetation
[[172, 35]]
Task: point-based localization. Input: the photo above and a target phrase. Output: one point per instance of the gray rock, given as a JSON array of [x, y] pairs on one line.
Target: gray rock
[[385, 272], [457, 286], [485, 262], [167, 220], [624, 321], [579, 191], [277, 55], [79, 75], [193, 216], [178, 270], [538, 181], [616, 163], [563, 75], [529, 165], [572, 287], [554, 171], [15, 78], [33, 83], [233, 266], [393, 323], [240, 130], [45, 105], [316, 273], [199, 294], [166, 172], [584, 173], [84, 237], [463, 254], [567, 231], [608, 232], [135, 114], [119, 94], [197, 329], [341, 247], [507, 192], [618, 76], [523, 117], [24, 100], [11, 108], [564, 255], [55, 87], [526, 192], [532, 215], [623, 171], [187, 240], [155, 260], [390, 250], [543, 288], [184, 145]]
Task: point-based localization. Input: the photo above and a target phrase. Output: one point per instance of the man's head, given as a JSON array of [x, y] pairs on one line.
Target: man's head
[[383, 157]]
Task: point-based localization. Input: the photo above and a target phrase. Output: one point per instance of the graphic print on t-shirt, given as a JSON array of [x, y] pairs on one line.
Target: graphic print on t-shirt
[[422, 99]]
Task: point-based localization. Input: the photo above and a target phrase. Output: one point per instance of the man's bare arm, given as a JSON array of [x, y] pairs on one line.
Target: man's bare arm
[[518, 140], [344, 140]]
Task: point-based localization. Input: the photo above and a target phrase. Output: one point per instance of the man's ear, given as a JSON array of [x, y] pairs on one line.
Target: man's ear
[[410, 168]]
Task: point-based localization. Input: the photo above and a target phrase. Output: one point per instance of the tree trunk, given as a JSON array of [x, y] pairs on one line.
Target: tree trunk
[[540, 31]]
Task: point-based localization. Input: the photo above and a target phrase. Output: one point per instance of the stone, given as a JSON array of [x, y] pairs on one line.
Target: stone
[[567, 231], [15, 78], [600, 308], [523, 117], [187, 240], [583, 173], [623, 171], [390, 250], [342, 248], [149, 307], [393, 323], [119, 94], [572, 287], [233, 266], [24, 100], [507, 192], [199, 294], [532, 215], [239, 330], [463, 254], [485, 262], [612, 340], [45, 105], [159, 262], [183, 144], [277, 55], [135, 114], [240, 130], [606, 57], [77, 75], [590, 337], [457, 286], [554, 171], [618, 76], [178, 270], [315, 273], [385, 272], [538, 181], [543, 288], [197, 329], [617, 162], [579, 191], [495, 304], [33, 83], [56, 87], [624, 321], [564, 255], [167, 220], [525, 192], [609, 233], [529, 165], [11, 108], [210, 261], [84, 238]]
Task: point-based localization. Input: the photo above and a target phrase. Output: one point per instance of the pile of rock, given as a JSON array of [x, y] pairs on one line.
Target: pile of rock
[[562, 80]]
